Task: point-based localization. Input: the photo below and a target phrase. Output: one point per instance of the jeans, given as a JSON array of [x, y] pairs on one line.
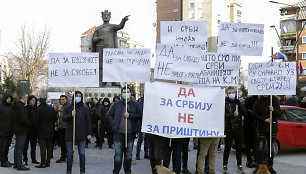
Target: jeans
[[33, 140], [81, 150], [19, 146], [119, 141], [3, 142], [45, 146], [156, 145], [263, 143], [176, 151], [145, 145]]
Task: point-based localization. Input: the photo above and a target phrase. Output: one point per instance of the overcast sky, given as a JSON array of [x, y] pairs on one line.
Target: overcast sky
[[68, 19]]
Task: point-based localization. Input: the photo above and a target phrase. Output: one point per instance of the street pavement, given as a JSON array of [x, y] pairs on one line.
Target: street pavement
[[101, 162]]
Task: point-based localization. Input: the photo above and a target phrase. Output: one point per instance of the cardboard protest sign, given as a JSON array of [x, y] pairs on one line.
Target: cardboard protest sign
[[241, 38], [272, 78], [178, 111], [126, 65], [184, 33], [196, 66], [74, 70]]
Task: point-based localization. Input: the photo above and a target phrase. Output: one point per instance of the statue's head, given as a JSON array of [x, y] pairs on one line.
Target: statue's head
[[106, 15]]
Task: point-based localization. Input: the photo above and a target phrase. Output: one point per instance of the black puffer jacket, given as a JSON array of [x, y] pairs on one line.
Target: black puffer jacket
[[21, 120], [232, 122], [46, 120], [6, 116], [32, 116], [262, 112]]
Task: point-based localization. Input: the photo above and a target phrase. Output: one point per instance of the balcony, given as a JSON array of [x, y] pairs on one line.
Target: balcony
[[288, 49], [289, 35]]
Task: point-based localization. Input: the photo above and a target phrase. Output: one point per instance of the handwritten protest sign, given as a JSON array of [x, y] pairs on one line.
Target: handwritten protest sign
[[272, 78], [74, 70], [241, 38], [179, 111], [126, 65], [196, 66], [184, 33]]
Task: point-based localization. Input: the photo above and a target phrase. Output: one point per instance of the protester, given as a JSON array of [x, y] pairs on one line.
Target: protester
[[32, 135], [46, 120], [116, 98], [233, 127], [262, 110], [291, 100], [175, 148], [90, 106], [95, 121], [156, 144], [61, 128], [55, 140], [6, 127], [117, 116], [21, 129], [142, 139], [83, 130], [185, 156], [105, 127]]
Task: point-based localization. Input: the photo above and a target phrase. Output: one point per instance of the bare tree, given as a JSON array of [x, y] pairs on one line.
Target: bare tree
[[30, 61]]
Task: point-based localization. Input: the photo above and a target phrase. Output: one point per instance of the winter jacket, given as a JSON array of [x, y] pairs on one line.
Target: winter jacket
[[83, 126], [21, 120], [6, 116], [32, 116], [262, 112], [60, 123], [231, 121], [114, 114], [46, 119]]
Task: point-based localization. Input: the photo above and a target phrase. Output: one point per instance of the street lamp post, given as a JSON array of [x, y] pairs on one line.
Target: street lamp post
[[280, 41]]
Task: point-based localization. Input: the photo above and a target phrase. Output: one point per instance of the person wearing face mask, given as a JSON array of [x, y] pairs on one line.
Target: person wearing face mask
[[83, 130], [262, 110], [233, 127], [116, 116]]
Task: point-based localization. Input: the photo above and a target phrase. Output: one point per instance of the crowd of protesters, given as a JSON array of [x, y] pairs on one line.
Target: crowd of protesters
[[33, 121]]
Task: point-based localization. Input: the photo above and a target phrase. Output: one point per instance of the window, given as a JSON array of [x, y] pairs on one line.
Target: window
[[303, 24], [201, 15], [191, 5], [303, 55], [175, 10], [297, 115], [304, 39], [191, 16], [287, 42], [304, 71]]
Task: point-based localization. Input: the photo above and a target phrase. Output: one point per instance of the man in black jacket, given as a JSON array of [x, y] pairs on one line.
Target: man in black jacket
[[83, 130], [117, 116], [32, 135], [21, 129], [262, 110], [233, 129], [6, 127]]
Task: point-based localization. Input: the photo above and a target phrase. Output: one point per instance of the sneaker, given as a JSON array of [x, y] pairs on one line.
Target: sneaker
[[206, 171], [225, 171], [272, 171], [22, 167], [240, 169], [25, 163], [6, 164], [186, 171], [137, 157], [146, 157]]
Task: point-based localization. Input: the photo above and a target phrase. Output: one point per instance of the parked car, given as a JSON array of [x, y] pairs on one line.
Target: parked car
[[291, 128]]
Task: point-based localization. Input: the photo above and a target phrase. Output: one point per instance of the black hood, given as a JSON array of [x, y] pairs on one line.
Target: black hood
[[30, 98], [81, 102], [106, 100], [6, 96]]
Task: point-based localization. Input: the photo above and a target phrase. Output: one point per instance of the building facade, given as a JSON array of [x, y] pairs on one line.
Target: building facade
[[293, 24]]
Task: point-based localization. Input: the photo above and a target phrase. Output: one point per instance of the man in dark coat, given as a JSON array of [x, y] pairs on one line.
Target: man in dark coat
[[83, 130], [46, 120], [105, 126], [262, 110], [6, 127], [21, 129], [117, 116], [32, 135]]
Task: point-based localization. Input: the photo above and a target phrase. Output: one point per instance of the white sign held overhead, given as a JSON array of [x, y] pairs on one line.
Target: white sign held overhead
[[184, 33], [73, 70], [272, 78], [241, 38], [196, 66], [179, 111], [126, 65]]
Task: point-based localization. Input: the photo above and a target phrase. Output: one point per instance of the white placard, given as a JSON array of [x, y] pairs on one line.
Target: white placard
[[241, 38], [196, 66], [74, 70], [178, 111], [184, 33], [126, 65], [272, 78]]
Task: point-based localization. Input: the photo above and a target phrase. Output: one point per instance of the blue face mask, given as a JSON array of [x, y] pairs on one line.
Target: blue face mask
[[77, 99], [126, 95], [232, 96]]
